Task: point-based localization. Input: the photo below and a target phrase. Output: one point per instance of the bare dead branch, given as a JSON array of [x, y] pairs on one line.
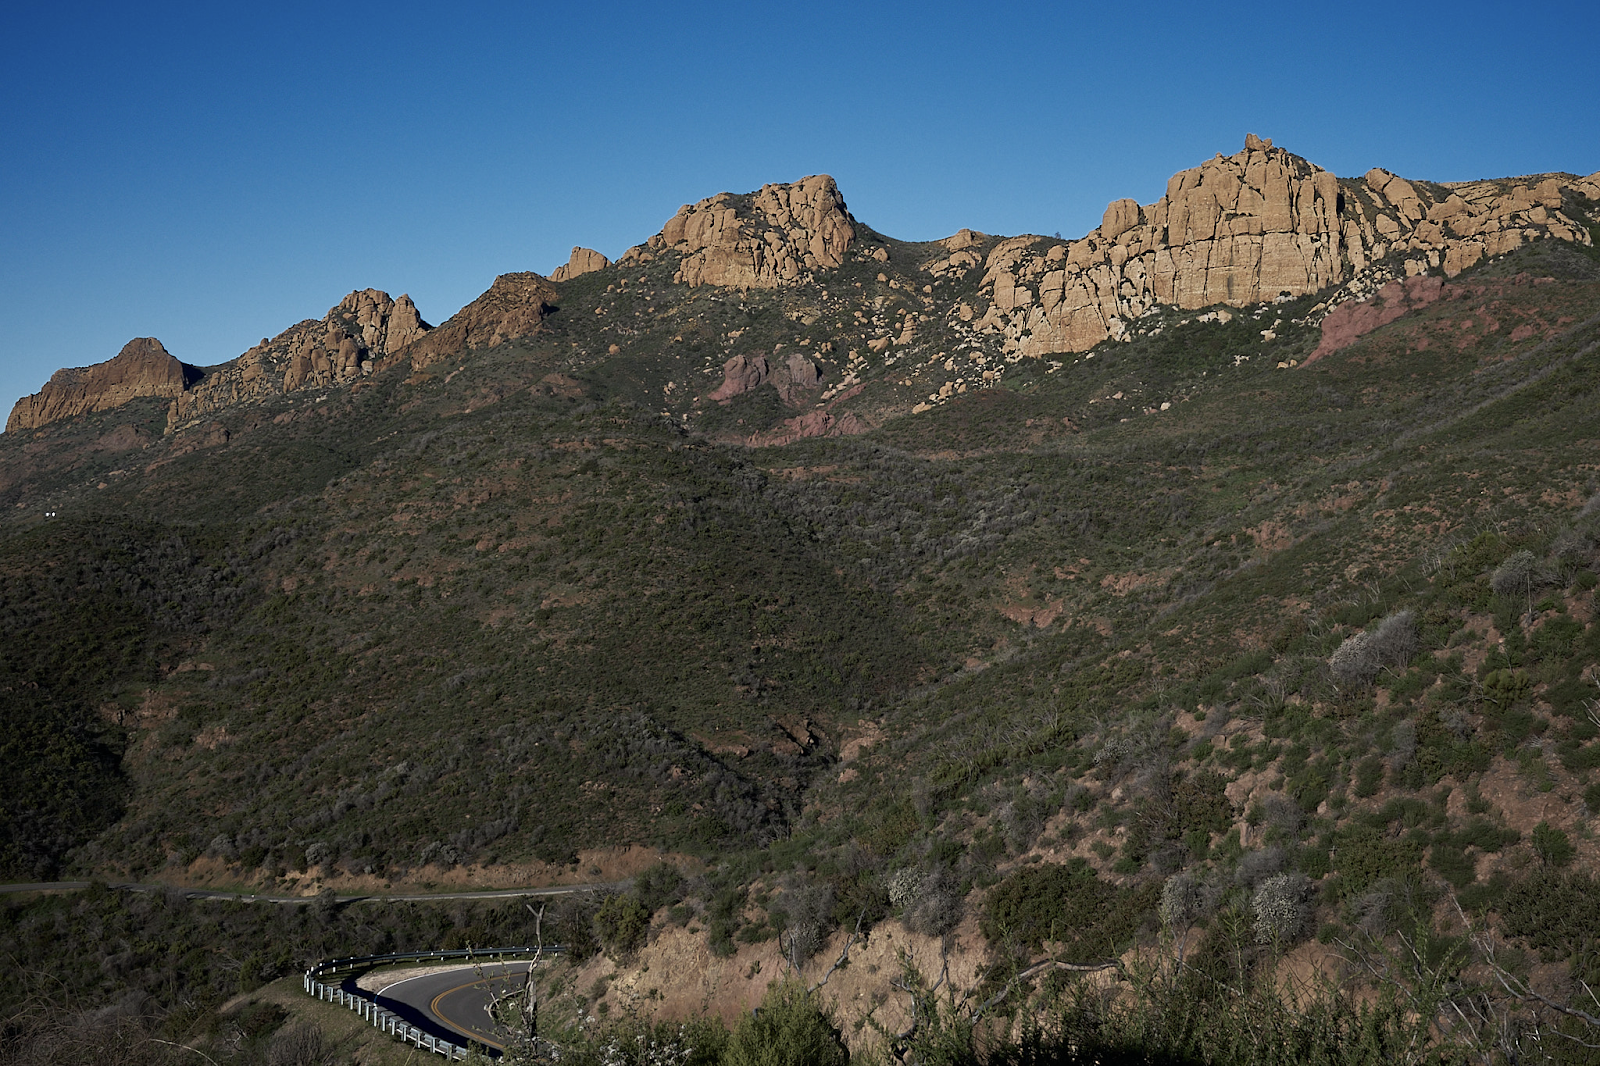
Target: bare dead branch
[[844, 956], [186, 1047]]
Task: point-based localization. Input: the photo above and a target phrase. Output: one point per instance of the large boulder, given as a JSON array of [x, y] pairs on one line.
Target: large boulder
[[582, 261]]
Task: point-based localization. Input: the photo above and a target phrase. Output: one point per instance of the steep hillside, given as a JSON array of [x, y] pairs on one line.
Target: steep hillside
[[1248, 541]]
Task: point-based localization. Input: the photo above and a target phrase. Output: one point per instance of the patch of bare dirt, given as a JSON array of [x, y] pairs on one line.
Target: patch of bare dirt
[[677, 976], [1038, 616], [852, 744]]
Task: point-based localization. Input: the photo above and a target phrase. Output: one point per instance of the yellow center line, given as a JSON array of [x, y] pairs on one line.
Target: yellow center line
[[437, 1013]]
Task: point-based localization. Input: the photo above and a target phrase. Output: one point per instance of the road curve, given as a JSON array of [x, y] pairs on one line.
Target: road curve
[[454, 1003]]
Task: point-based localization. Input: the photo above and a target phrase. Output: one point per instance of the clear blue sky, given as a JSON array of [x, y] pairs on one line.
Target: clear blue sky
[[210, 174]]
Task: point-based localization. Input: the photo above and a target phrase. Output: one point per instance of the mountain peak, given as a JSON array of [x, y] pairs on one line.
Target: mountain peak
[[771, 237], [144, 367]]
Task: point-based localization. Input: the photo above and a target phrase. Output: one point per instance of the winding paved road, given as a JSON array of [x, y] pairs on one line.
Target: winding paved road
[[454, 1002], [385, 897]]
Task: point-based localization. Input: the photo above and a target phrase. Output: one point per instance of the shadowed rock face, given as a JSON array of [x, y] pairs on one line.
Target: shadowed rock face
[[142, 368], [777, 235], [515, 306]]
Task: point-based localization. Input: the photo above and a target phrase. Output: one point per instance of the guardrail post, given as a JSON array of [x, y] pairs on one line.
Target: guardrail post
[[384, 1020]]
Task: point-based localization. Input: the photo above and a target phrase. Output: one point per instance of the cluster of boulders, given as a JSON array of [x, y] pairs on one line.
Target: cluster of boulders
[[1256, 226], [364, 328], [778, 235]]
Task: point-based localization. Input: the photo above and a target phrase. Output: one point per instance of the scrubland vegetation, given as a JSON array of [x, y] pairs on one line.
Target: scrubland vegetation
[[1301, 669]]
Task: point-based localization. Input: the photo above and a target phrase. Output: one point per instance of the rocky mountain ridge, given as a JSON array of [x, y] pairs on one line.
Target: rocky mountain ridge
[[1260, 226], [364, 327], [772, 237], [143, 368]]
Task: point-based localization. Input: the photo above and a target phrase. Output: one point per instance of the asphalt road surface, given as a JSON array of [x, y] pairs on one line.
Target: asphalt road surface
[[455, 1002], [383, 897]]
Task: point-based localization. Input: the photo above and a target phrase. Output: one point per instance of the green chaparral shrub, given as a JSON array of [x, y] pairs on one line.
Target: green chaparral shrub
[[1067, 903], [658, 886], [622, 922], [790, 1028], [1552, 845]]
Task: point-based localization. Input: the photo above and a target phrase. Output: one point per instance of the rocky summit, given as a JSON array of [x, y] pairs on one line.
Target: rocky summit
[[769, 238], [142, 368]]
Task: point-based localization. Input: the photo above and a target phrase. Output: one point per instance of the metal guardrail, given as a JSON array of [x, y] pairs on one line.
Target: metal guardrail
[[366, 1006]]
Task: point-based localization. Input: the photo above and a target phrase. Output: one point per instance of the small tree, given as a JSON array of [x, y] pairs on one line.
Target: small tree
[[622, 922], [658, 885], [789, 1029], [1552, 845], [1519, 575], [1355, 662], [1180, 902], [1391, 643], [1395, 640]]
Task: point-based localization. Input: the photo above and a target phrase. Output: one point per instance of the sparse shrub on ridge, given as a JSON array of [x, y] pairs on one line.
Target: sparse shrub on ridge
[[1279, 908], [938, 906], [1518, 575], [1392, 643], [1180, 902], [904, 885], [808, 903], [1573, 548], [1552, 845]]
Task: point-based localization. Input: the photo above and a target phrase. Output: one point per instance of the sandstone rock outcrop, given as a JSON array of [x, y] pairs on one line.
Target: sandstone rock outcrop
[[514, 306], [582, 261], [142, 368], [810, 424], [1233, 230], [1255, 226], [803, 373], [771, 237], [365, 327], [794, 378], [741, 374]]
